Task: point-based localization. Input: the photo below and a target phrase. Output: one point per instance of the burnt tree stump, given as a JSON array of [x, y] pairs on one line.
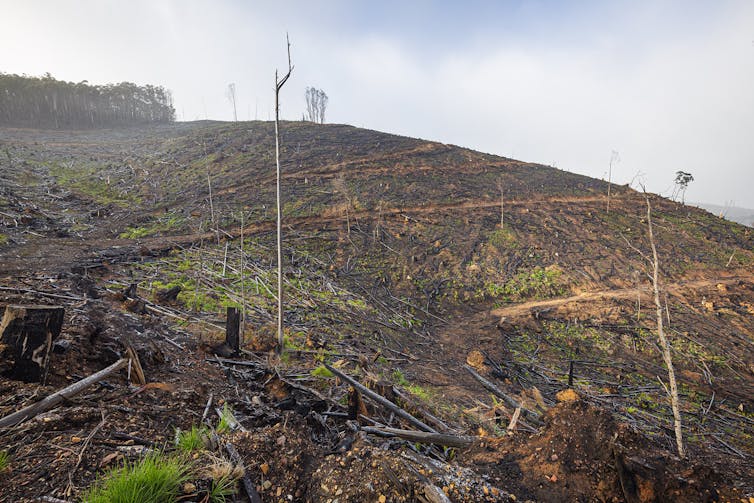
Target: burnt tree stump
[[27, 333], [232, 330]]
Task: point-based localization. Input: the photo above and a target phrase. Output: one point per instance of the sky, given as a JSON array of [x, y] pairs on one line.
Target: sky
[[668, 85]]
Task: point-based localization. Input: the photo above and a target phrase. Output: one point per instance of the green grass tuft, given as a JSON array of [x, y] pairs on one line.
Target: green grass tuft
[[399, 378], [4, 460], [227, 420], [153, 479], [192, 440], [222, 489], [322, 372]]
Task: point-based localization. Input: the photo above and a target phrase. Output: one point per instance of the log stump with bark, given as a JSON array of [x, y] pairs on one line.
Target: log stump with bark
[[27, 333]]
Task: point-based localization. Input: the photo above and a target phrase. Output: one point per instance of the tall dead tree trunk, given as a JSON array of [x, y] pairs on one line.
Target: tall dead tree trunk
[[664, 344], [279, 83], [28, 332], [613, 158]]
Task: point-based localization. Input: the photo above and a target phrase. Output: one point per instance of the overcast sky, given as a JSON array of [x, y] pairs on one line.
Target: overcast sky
[[669, 85]]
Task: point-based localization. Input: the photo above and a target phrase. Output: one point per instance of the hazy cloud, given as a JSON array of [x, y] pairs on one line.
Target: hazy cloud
[[666, 84]]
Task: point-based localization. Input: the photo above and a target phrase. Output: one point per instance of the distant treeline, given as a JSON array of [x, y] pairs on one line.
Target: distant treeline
[[45, 102]]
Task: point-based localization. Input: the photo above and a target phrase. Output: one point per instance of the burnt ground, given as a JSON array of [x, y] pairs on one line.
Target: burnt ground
[[397, 272]]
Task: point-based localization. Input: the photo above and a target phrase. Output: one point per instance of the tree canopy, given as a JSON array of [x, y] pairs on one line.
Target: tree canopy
[[46, 102]]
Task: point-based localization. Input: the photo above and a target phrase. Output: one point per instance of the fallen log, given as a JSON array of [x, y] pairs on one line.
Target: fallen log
[[509, 401], [429, 493], [381, 400], [57, 397], [422, 437]]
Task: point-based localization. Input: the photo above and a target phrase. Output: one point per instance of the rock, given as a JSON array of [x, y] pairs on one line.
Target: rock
[[265, 468], [266, 485], [61, 346]]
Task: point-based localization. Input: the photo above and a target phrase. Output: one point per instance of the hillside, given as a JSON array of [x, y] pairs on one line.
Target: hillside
[[743, 216], [397, 271]]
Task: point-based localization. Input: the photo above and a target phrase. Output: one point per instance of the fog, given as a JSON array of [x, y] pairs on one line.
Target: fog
[[668, 85]]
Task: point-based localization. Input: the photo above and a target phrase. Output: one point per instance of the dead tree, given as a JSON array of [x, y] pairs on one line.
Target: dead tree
[[28, 332], [613, 158], [664, 344], [279, 83], [682, 180], [231, 93], [316, 105]]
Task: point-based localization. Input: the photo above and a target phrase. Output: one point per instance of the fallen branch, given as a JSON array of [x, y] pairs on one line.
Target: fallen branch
[[509, 401], [45, 294], [422, 437], [437, 422], [207, 407], [57, 397], [514, 420], [381, 400], [138, 373]]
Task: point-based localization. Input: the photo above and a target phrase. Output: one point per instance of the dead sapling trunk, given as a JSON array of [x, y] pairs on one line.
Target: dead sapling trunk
[[279, 83], [664, 344], [613, 158], [27, 332]]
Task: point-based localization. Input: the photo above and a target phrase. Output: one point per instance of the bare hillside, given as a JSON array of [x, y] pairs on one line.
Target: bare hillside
[[410, 266]]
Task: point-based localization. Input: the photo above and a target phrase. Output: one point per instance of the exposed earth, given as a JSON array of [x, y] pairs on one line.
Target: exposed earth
[[399, 273]]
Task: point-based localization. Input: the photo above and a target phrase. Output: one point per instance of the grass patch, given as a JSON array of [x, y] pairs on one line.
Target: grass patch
[[416, 390], [165, 223], [87, 181], [322, 372], [4, 460], [502, 239], [3, 239], [419, 392], [538, 283], [399, 378], [192, 440], [227, 420], [220, 490], [154, 479]]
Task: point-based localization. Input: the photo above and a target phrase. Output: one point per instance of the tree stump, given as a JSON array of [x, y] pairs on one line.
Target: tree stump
[[232, 330], [27, 333]]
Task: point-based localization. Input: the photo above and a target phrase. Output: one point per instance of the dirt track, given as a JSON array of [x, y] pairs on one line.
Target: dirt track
[[528, 308]]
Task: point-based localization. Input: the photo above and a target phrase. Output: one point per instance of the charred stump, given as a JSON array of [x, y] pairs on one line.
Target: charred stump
[[27, 333], [168, 294], [232, 330]]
